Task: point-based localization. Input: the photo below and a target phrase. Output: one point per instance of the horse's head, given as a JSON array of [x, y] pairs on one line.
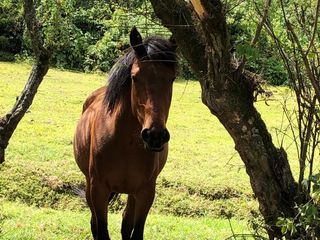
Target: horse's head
[[152, 74]]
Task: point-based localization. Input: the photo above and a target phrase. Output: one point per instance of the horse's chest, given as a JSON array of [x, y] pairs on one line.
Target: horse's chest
[[126, 169]]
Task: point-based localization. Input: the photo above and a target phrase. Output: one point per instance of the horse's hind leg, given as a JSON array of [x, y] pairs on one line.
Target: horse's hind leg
[[99, 200], [128, 218], [144, 200]]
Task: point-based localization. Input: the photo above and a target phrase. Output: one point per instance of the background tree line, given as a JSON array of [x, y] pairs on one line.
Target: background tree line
[[89, 35]]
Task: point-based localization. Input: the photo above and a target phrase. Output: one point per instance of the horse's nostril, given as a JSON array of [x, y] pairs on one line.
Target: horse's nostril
[[145, 134], [165, 136]]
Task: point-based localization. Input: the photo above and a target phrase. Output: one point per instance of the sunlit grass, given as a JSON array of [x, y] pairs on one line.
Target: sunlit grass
[[21, 222], [204, 176]]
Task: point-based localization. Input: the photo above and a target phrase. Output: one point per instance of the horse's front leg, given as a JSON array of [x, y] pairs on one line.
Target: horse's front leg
[[128, 218], [99, 200], [143, 203]]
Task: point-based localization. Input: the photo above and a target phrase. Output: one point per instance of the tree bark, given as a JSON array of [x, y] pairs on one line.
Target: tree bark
[[200, 31], [10, 121]]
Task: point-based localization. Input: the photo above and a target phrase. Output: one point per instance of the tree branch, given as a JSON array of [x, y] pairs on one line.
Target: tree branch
[[263, 18], [178, 17], [290, 29], [315, 26], [10, 121]]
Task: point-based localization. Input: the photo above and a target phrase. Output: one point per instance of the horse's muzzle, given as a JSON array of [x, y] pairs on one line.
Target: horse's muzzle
[[154, 139]]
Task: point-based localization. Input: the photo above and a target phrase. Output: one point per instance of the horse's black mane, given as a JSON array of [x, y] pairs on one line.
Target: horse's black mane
[[158, 49]]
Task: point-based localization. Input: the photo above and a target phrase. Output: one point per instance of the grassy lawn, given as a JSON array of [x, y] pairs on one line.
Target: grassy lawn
[[21, 222], [203, 182]]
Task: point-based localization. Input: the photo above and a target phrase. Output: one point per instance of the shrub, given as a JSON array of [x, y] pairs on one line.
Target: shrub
[[306, 224]]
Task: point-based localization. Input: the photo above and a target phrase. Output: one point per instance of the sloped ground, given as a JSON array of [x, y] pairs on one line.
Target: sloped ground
[[204, 176]]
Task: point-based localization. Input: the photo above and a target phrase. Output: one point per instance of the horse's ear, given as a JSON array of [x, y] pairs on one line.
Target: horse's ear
[[173, 42], [137, 44]]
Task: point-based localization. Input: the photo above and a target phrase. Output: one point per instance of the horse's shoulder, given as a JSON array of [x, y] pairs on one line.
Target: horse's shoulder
[[94, 96]]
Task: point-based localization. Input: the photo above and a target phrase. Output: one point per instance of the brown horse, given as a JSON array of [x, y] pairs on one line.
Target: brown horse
[[121, 139]]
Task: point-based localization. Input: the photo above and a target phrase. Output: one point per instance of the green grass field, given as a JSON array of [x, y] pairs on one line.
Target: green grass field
[[203, 183], [28, 223]]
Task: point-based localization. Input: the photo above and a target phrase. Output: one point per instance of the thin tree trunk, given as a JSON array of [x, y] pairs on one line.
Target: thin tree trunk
[[201, 33], [10, 121]]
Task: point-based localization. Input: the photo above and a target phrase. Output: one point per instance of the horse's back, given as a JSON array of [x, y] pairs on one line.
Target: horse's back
[[83, 131], [94, 96]]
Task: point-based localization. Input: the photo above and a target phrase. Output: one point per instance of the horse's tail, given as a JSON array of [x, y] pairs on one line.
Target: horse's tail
[[114, 196], [81, 193]]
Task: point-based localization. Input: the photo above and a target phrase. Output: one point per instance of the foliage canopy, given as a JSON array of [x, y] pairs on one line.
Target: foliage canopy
[[90, 35]]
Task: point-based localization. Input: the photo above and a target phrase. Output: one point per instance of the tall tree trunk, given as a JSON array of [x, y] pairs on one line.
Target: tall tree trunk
[[200, 30], [10, 121]]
